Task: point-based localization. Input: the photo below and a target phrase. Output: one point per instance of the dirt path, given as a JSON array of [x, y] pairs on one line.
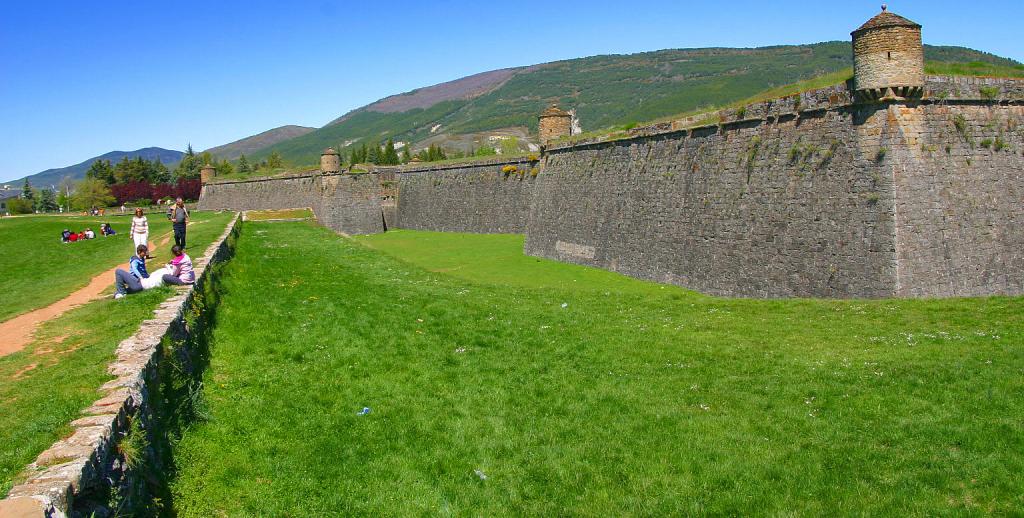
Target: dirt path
[[17, 332]]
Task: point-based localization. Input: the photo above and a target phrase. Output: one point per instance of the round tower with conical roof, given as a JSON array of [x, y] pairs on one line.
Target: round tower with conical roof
[[888, 59], [207, 173], [554, 123], [330, 161]]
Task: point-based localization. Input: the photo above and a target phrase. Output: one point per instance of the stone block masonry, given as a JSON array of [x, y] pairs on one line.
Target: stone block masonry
[[919, 199], [785, 207], [959, 199], [347, 203], [811, 195], [482, 197]]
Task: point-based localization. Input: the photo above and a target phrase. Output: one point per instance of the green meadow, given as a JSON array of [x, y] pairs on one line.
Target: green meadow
[[46, 385], [498, 384], [38, 269]]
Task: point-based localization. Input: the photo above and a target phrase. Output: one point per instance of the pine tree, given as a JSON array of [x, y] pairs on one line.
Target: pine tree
[[390, 155], [406, 156], [224, 168], [27, 192], [243, 164], [160, 172], [353, 158], [47, 200], [101, 170], [189, 166], [375, 155], [274, 161]]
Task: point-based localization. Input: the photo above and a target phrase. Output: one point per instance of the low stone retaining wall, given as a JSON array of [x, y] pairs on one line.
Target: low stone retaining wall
[[89, 473]]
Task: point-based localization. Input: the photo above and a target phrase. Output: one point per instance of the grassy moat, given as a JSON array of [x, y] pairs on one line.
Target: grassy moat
[[500, 384]]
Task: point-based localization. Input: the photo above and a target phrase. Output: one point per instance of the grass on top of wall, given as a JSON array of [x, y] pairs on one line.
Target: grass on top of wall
[[495, 398], [45, 386], [974, 69], [38, 269]]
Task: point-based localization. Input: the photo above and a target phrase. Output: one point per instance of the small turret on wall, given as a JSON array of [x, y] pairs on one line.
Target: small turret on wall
[[554, 124], [330, 161], [207, 174], [888, 59]]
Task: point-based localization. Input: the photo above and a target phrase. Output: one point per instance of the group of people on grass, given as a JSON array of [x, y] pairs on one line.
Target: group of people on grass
[[177, 272], [68, 236]]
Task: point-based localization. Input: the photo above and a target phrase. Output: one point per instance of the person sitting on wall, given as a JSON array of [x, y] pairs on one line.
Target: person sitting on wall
[[65, 236], [181, 268]]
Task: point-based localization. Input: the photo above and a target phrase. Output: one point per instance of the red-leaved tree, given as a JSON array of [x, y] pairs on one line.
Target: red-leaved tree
[[188, 189]]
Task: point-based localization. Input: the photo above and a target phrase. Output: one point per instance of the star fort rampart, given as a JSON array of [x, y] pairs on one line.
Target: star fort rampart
[[894, 184]]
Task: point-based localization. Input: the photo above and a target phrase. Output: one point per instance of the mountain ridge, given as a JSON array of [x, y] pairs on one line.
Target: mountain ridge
[[53, 177], [232, 150], [609, 89]]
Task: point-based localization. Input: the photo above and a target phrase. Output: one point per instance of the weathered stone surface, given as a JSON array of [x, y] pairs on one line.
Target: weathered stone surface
[[808, 195], [348, 203], [27, 507], [869, 201], [480, 197], [762, 209]]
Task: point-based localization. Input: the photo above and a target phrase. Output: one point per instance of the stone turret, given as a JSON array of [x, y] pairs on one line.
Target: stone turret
[[330, 161], [554, 123], [207, 174], [888, 59]]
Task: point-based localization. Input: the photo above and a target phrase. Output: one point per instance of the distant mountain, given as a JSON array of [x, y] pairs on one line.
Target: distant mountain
[[604, 90], [248, 145], [54, 176]]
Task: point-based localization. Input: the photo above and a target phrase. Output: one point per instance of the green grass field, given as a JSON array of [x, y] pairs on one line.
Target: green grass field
[[46, 385], [38, 269], [502, 385], [262, 215]]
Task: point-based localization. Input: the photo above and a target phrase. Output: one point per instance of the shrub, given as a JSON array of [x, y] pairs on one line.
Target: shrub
[[19, 206], [989, 93], [880, 156], [986, 143]]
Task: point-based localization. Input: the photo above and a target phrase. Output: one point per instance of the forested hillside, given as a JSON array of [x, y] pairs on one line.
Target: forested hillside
[[605, 90]]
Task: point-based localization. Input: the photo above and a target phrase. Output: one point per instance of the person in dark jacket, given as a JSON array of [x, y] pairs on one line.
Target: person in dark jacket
[[179, 219]]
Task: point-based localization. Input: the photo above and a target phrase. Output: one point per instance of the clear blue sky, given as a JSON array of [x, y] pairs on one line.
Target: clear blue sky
[[78, 79]]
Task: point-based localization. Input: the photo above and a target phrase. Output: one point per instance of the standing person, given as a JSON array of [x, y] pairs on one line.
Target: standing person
[[179, 218], [140, 228]]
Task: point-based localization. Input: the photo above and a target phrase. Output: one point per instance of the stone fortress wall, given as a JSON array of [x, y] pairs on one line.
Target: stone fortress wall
[[483, 197], [832, 200], [347, 203], [810, 195], [892, 184]]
